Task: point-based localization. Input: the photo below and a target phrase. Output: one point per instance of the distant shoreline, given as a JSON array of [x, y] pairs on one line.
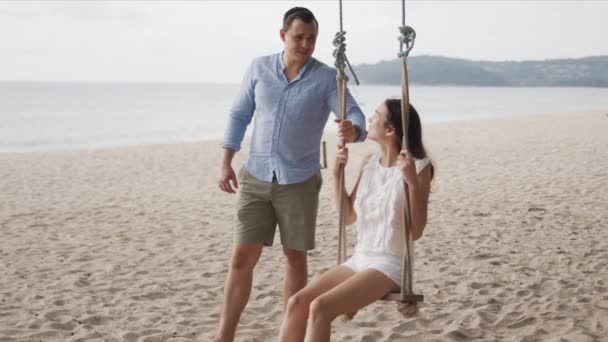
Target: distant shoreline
[[350, 84], [430, 70], [42, 149], [438, 70]]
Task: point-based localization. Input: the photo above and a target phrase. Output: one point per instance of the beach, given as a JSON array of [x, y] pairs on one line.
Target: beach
[[133, 243]]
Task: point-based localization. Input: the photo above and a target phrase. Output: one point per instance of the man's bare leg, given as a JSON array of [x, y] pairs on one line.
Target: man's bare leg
[[296, 272], [238, 288]]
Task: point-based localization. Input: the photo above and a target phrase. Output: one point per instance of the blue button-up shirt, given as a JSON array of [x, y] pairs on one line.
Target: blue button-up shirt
[[289, 118]]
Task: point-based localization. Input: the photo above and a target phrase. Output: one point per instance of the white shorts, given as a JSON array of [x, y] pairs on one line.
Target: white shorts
[[388, 264]]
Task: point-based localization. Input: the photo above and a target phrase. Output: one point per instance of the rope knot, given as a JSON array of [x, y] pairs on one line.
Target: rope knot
[[407, 39], [341, 61]]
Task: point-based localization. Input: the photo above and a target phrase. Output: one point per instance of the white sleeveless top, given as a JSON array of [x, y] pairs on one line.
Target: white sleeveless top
[[379, 206]]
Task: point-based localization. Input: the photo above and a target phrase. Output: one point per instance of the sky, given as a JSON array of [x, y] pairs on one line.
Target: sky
[[214, 41]]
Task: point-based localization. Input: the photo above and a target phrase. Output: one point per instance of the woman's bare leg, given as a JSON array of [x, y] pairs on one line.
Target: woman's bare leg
[[353, 294], [293, 328]]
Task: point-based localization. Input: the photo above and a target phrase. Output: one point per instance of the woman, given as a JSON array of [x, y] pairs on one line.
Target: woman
[[376, 204]]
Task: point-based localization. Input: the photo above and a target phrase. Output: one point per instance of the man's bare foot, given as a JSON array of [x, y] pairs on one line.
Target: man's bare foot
[[220, 338]]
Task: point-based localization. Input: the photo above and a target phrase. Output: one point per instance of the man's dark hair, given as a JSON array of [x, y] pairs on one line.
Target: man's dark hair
[[301, 13]]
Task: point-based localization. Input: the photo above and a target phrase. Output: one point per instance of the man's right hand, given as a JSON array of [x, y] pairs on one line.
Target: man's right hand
[[228, 176]]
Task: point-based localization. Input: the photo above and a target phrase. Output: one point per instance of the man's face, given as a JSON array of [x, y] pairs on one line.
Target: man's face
[[300, 40]]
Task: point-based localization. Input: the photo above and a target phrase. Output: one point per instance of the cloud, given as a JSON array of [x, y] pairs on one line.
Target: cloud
[[213, 41], [80, 10]]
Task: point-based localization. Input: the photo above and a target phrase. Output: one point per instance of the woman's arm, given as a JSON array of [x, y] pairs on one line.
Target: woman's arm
[[350, 216], [419, 199], [419, 187]]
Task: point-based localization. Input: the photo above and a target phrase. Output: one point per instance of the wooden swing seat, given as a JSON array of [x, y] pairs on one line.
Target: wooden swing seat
[[396, 297]]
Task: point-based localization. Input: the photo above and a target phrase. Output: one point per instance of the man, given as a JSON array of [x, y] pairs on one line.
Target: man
[[291, 95]]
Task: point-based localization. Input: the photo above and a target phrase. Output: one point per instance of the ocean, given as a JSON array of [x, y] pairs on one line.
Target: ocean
[[56, 116]]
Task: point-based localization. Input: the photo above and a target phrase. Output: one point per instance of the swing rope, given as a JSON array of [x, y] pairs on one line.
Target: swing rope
[[407, 300], [407, 306], [341, 61]]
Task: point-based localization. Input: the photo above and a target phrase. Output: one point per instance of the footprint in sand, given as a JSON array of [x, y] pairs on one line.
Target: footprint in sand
[[134, 336], [409, 325], [150, 296], [485, 256], [522, 323], [583, 300], [487, 317], [600, 289], [96, 320], [63, 326], [55, 315], [475, 285], [602, 305], [371, 337], [459, 335], [59, 302]]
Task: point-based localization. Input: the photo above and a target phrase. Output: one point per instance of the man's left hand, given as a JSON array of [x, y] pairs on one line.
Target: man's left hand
[[346, 131]]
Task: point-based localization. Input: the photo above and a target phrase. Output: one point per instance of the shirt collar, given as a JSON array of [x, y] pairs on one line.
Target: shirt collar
[[303, 69]]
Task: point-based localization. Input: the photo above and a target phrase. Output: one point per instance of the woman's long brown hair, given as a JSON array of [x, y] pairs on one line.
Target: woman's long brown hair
[[414, 133]]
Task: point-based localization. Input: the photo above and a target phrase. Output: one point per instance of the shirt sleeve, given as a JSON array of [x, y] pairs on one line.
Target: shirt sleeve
[[241, 112], [353, 112]]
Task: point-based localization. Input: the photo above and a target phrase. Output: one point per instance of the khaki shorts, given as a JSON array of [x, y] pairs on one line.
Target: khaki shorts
[[262, 205]]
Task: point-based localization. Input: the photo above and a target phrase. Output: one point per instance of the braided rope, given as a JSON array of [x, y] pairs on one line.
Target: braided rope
[[406, 44], [341, 79], [341, 60], [406, 39]]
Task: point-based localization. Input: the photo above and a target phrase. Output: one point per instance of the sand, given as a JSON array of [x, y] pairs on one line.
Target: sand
[[133, 243]]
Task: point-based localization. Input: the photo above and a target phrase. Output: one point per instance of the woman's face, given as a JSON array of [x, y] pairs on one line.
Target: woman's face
[[378, 127]]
